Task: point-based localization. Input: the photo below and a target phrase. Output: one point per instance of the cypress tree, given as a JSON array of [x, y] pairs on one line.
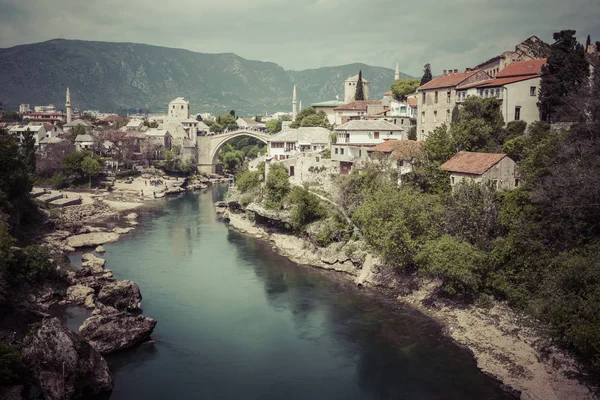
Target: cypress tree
[[588, 42], [567, 70], [426, 74], [360, 93]]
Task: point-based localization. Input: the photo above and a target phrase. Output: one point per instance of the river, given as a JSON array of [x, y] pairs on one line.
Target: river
[[237, 321]]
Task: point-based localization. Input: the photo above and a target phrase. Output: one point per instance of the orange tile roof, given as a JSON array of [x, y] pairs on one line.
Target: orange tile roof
[[388, 93], [472, 163], [400, 149], [447, 80], [359, 105], [413, 102], [520, 68]]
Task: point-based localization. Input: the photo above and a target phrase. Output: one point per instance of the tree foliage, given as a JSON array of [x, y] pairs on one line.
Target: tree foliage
[[426, 74], [360, 91], [403, 87], [309, 117], [307, 207], [273, 126], [566, 72], [277, 186]]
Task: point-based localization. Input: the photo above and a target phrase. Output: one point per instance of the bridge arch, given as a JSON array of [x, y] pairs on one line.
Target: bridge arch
[[209, 146]]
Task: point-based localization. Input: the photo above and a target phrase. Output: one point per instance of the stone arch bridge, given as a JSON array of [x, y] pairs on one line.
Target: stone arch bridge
[[209, 146]]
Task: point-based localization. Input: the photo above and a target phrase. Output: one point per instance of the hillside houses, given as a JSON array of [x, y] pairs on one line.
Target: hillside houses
[[487, 168]]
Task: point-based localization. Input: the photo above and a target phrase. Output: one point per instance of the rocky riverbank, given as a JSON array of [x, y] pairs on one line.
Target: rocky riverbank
[[66, 364], [506, 345]]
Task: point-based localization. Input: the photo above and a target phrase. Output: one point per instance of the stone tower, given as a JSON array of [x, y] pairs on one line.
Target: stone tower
[[397, 73], [350, 88], [68, 106], [294, 104]]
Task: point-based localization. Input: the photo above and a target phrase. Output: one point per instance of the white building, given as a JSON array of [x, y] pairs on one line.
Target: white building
[[249, 123], [290, 142], [50, 108], [179, 109], [19, 132], [134, 125], [328, 107], [86, 124], [159, 137], [84, 142], [24, 108], [355, 137], [517, 86]]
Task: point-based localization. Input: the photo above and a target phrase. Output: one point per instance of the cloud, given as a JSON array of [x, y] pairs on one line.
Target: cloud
[[300, 34]]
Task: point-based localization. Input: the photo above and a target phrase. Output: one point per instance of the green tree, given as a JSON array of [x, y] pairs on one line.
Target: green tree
[[273, 126], [588, 42], [11, 116], [479, 126], [309, 117], [566, 72], [426, 74], [15, 180], [28, 151], [248, 180], [307, 208], [232, 113], [403, 87], [360, 92], [412, 133], [71, 164], [78, 130], [277, 186], [90, 168], [227, 121]]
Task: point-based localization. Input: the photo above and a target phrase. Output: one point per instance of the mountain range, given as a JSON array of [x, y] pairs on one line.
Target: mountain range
[[122, 77]]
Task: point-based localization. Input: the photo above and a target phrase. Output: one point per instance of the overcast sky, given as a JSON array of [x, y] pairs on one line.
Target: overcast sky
[[304, 34]]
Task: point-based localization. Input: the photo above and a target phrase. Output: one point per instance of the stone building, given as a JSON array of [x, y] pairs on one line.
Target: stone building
[[401, 153], [437, 98], [179, 109], [495, 169], [350, 88], [356, 110], [290, 142], [328, 107], [531, 48]]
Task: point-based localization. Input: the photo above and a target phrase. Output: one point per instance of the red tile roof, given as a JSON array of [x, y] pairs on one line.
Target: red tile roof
[[388, 93], [520, 68], [400, 149], [413, 101], [472, 163], [503, 81], [359, 105], [448, 80]]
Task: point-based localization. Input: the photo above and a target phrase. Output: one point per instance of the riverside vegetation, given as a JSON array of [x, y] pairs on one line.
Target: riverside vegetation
[[535, 247]]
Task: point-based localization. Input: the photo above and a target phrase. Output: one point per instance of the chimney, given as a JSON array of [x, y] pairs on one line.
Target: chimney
[[444, 72], [449, 71], [456, 71]]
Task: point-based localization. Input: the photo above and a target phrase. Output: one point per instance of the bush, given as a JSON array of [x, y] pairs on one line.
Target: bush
[[455, 262], [277, 186], [128, 173], [59, 181], [307, 208], [11, 369], [248, 180]]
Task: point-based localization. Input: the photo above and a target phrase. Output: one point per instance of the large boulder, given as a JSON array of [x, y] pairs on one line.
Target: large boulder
[[64, 365], [91, 261], [92, 239], [109, 330], [122, 295], [78, 293]]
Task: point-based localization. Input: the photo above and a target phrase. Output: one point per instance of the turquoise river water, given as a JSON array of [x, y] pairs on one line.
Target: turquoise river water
[[237, 321]]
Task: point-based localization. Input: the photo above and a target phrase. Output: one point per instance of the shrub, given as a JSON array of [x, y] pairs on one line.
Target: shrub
[[277, 186], [11, 369], [455, 262], [307, 208], [248, 180]]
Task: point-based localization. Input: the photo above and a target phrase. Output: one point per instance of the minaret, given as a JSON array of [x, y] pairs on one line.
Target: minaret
[[294, 103], [397, 74], [300, 105], [68, 106]]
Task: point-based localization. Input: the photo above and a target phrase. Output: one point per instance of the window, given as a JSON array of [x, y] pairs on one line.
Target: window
[[517, 113], [516, 182], [360, 153], [424, 98], [452, 180], [336, 150], [399, 163], [436, 97], [447, 115], [277, 145], [318, 159], [532, 91], [448, 96], [486, 92], [423, 116], [314, 148], [435, 116], [182, 107], [402, 121], [498, 92], [376, 135], [342, 151], [495, 183]]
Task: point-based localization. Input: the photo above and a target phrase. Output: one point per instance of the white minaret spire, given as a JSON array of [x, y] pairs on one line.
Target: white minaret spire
[[294, 103], [68, 106], [300, 105], [397, 74]]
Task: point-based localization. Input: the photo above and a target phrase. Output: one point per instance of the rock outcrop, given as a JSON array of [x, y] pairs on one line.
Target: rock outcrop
[[96, 264], [122, 295], [64, 365], [109, 330], [92, 239], [78, 293]]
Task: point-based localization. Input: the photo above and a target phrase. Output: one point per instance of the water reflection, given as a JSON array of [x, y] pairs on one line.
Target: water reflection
[[236, 321]]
